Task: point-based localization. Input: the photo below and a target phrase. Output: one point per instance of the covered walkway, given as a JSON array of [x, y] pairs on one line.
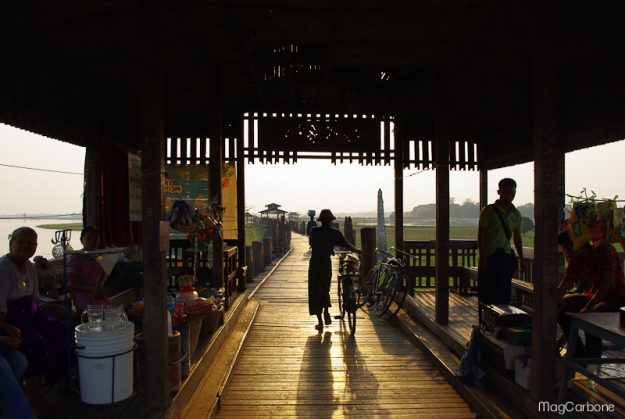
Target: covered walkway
[[287, 368]]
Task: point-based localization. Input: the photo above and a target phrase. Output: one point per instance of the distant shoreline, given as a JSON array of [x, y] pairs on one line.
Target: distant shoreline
[[64, 226], [71, 216]]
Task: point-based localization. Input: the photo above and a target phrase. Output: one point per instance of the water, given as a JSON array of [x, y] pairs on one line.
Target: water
[[45, 236]]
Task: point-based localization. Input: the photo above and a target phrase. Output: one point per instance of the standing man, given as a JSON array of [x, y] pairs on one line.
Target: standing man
[[499, 222]]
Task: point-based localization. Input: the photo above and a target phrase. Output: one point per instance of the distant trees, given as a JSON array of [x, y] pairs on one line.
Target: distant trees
[[469, 209], [526, 210], [527, 225]]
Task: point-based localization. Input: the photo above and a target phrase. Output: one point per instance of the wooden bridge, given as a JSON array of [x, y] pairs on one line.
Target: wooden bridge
[[287, 368]]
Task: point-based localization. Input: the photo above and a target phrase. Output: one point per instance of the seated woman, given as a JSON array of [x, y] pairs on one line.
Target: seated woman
[[13, 402], [85, 275], [600, 268], [43, 340]]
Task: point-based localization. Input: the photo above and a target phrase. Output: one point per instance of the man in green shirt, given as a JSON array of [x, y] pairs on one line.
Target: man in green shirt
[[499, 222]]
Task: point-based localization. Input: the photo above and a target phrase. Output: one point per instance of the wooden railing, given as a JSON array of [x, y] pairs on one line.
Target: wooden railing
[[462, 253], [463, 259]]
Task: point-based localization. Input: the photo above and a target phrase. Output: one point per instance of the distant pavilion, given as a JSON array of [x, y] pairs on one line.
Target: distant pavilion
[[272, 209]]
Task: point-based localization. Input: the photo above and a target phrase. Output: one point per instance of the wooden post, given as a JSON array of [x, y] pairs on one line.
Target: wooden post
[[92, 191], [241, 204], [152, 202], [368, 243], [267, 250], [548, 198], [483, 188], [442, 200], [257, 250], [349, 231], [399, 186], [215, 165], [250, 264]]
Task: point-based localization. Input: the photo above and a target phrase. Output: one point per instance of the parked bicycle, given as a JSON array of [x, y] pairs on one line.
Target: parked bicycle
[[386, 282], [348, 287]]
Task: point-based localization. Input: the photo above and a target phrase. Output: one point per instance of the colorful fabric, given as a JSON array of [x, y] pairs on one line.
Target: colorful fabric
[[495, 235], [43, 340], [590, 265], [86, 270]]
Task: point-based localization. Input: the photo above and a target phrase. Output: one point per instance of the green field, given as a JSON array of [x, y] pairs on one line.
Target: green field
[[429, 233], [64, 226], [253, 234]]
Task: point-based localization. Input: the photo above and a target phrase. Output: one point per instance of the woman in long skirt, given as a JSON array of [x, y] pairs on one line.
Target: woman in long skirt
[[322, 241]]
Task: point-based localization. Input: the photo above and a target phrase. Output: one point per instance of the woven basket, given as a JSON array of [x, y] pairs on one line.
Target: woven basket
[[195, 327], [212, 321]]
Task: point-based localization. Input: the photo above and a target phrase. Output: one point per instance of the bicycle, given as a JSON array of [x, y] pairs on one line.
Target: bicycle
[[386, 282], [348, 287]]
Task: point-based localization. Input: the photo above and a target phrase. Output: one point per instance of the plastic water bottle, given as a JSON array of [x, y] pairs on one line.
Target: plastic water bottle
[[171, 303]]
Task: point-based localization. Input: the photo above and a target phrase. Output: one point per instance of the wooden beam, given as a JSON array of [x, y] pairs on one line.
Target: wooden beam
[[215, 164], [399, 187], [442, 199], [548, 198], [483, 188], [241, 200], [152, 186]]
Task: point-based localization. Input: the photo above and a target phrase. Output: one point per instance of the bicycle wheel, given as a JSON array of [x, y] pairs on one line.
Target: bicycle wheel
[[367, 287], [350, 307], [401, 290], [385, 292], [340, 295]]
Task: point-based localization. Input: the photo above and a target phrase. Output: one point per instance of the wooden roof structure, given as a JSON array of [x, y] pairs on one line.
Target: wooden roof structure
[[451, 84], [70, 71]]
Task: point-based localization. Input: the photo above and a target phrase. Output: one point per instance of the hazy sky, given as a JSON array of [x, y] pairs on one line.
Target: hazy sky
[[308, 184]]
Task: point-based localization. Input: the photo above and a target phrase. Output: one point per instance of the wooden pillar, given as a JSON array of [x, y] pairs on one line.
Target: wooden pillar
[[483, 188], [399, 186], [442, 200], [241, 197], [152, 202], [215, 165], [241, 203], [92, 193], [548, 199]]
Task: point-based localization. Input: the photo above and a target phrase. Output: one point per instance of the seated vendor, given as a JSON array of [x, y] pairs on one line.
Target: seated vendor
[[602, 270], [13, 402], [85, 275], [43, 340]]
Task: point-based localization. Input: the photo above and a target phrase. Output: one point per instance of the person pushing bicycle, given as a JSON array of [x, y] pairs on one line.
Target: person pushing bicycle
[[322, 241]]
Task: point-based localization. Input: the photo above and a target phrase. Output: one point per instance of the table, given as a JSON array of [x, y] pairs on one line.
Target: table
[[603, 325]]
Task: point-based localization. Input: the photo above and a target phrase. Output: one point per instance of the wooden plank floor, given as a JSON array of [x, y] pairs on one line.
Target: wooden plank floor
[[287, 368], [462, 313]]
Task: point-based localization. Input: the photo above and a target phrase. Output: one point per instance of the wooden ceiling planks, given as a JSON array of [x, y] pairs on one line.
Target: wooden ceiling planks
[[372, 57]]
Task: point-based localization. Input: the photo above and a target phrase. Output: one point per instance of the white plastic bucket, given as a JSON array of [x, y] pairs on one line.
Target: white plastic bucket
[[105, 364]]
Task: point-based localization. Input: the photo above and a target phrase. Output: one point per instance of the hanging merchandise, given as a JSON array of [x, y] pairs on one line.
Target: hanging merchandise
[[595, 221], [578, 232], [183, 217], [618, 231]]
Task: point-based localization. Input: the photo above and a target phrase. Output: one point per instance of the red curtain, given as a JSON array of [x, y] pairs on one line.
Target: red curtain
[[115, 227]]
